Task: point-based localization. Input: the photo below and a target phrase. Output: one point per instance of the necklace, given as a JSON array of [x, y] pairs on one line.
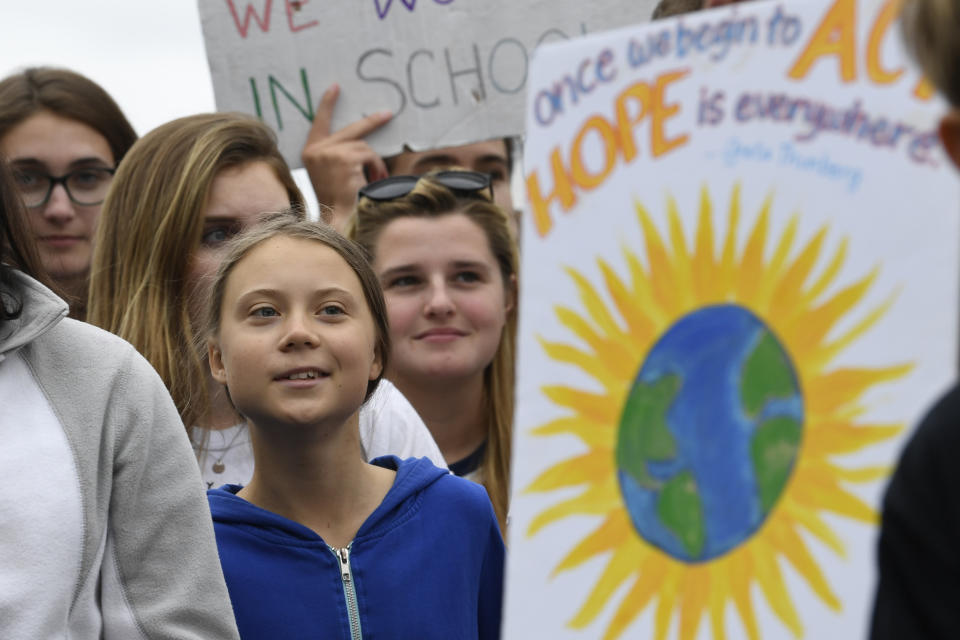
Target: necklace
[[218, 466]]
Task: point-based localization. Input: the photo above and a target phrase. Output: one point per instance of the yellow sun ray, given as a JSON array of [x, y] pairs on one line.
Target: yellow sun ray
[[795, 550], [621, 566], [597, 310], [597, 500], [728, 256], [816, 324], [784, 294], [586, 362], [665, 605], [862, 475], [771, 277], [590, 405], [740, 574], [694, 593], [608, 536], [814, 524], [838, 438], [588, 468], [641, 594], [835, 389], [704, 263], [683, 285], [640, 328], [661, 272], [771, 584], [717, 601], [591, 432], [612, 353], [819, 357], [827, 277], [751, 263], [772, 273], [640, 283]]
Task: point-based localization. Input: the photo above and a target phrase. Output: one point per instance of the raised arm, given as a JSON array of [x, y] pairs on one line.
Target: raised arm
[[341, 162]]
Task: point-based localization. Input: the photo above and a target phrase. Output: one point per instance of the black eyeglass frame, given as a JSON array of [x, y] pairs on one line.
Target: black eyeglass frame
[[457, 180], [53, 181]]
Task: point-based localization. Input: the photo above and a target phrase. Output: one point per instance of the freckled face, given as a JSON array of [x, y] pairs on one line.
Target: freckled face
[[46, 143], [239, 196], [446, 298], [296, 344]]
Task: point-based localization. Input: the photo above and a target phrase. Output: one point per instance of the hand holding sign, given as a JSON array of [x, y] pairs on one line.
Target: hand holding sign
[[339, 163]]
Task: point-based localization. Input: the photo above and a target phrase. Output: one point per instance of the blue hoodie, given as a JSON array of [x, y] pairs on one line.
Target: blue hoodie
[[427, 563]]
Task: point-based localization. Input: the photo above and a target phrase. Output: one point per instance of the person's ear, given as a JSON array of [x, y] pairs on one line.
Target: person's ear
[[215, 357], [376, 365], [950, 135], [511, 294]]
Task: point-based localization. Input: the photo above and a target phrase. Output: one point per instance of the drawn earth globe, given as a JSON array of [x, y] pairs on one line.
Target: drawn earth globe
[[709, 434]]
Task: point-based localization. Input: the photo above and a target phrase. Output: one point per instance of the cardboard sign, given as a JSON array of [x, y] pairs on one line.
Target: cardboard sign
[[451, 71], [739, 293]]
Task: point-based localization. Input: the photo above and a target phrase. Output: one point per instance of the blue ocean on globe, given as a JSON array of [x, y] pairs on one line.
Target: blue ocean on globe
[[709, 434]]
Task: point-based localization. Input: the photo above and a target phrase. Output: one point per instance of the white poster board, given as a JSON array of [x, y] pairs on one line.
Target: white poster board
[[451, 71], [739, 292]]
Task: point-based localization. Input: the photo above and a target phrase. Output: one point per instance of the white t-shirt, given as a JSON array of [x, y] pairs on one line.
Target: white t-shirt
[[388, 425]]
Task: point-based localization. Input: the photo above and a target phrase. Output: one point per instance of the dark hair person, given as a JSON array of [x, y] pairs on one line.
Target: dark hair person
[[63, 136], [918, 556], [105, 530]]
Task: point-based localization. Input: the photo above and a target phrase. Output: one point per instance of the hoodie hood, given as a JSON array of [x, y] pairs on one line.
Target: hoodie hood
[[414, 475], [41, 310]]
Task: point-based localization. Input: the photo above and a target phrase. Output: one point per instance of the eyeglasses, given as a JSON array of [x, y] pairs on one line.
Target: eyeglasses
[[398, 186], [83, 186]]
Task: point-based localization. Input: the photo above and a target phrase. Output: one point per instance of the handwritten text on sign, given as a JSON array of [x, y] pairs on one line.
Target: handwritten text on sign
[[832, 45], [451, 71]]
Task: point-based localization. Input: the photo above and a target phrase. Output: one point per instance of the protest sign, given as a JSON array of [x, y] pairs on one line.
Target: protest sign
[[739, 292], [451, 71]]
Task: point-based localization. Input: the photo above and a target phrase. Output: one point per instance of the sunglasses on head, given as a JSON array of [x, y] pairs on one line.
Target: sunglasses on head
[[398, 186]]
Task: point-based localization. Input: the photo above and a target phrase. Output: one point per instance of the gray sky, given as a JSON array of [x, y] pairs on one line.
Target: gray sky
[[148, 55]]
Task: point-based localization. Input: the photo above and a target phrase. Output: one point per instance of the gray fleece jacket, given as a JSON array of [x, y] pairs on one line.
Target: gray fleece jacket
[[104, 529]]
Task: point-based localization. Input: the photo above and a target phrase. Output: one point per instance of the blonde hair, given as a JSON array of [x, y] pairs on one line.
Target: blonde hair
[[931, 29], [428, 199], [151, 224], [287, 224]]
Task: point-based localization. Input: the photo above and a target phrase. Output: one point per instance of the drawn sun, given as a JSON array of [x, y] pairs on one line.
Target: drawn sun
[[712, 450]]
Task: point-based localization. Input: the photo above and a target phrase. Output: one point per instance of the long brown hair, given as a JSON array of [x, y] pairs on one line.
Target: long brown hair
[[150, 226], [431, 199]]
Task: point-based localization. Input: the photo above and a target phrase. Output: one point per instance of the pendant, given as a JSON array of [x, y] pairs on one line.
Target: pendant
[[218, 466]]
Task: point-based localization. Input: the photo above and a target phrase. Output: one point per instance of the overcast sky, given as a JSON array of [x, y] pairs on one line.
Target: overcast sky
[[148, 55]]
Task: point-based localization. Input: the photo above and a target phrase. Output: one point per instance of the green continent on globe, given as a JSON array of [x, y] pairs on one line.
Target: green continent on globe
[[766, 374], [773, 450], [643, 429], [680, 511]]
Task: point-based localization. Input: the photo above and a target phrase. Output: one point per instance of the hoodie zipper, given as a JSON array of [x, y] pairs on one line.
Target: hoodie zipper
[[349, 592]]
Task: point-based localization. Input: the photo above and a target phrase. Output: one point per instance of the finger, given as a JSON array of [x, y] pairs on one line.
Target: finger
[[324, 114], [375, 168], [362, 127]]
